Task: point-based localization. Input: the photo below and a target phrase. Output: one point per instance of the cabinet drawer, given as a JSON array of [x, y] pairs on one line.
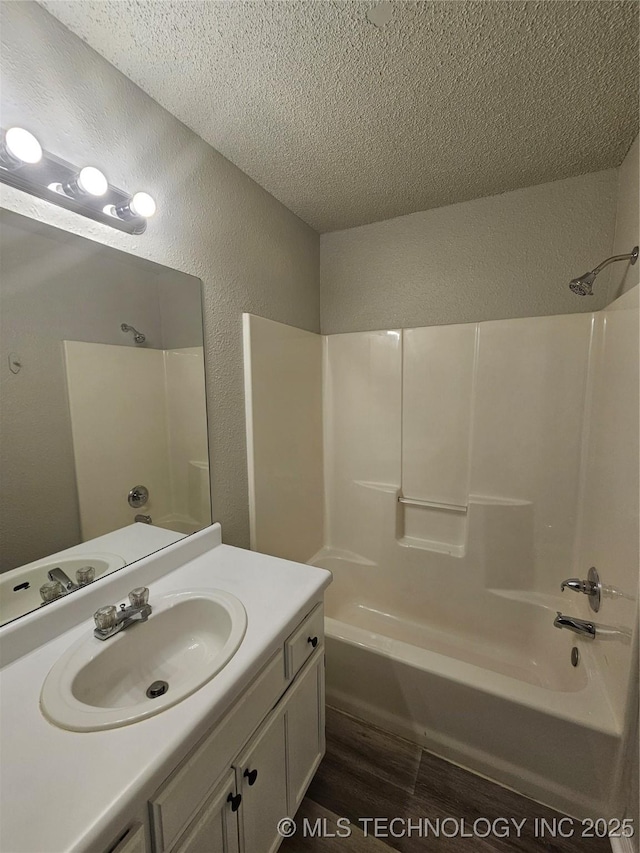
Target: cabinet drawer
[[179, 799], [300, 645]]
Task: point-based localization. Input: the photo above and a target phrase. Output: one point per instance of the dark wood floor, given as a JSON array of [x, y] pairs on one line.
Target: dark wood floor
[[368, 773]]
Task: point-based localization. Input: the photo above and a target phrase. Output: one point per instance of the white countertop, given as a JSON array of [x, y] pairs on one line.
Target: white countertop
[[63, 790]]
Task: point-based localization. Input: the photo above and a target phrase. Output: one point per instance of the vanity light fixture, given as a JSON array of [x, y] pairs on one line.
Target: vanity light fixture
[[140, 204], [26, 166], [88, 181], [19, 147]]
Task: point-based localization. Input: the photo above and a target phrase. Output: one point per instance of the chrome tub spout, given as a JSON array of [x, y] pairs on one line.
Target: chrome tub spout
[[578, 626]]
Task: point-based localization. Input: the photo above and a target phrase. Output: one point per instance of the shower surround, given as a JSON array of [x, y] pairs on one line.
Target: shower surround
[[468, 470]]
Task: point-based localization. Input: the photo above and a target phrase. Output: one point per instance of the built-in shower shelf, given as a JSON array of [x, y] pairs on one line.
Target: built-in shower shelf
[[435, 526], [433, 504], [430, 545]]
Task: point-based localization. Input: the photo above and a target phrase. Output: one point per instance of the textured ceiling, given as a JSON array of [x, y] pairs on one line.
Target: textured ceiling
[[347, 123]]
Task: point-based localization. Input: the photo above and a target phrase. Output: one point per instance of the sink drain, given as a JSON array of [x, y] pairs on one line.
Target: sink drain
[[158, 688]]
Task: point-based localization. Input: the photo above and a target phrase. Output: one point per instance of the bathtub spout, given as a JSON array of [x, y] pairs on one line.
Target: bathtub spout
[[578, 626]]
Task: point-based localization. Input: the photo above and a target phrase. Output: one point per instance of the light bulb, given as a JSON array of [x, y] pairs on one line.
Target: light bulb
[[22, 146], [91, 181], [142, 204]]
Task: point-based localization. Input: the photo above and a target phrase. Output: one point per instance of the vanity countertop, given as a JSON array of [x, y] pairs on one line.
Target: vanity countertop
[[64, 790]]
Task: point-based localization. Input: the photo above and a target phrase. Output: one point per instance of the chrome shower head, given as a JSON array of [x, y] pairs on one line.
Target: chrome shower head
[[138, 337], [583, 286]]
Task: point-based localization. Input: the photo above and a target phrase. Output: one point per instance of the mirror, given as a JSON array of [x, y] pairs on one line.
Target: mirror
[[103, 430]]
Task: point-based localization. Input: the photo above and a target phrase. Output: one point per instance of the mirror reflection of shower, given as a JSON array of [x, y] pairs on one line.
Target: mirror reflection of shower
[[583, 285], [138, 337]]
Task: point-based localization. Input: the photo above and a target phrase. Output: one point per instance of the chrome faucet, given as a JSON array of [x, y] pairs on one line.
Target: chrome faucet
[[63, 579], [110, 621], [578, 626], [591, 587]]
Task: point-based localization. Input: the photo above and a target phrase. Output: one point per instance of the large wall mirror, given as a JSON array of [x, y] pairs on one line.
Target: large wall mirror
[[103, 429]]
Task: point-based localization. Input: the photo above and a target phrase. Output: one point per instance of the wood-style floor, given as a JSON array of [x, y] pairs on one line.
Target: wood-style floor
[[368, 773]]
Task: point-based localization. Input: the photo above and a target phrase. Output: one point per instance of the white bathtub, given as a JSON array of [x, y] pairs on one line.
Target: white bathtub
[[486, 682]]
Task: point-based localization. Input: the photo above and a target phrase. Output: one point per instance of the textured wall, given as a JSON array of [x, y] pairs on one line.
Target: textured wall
[[213, 221], [510, 255], [627, 235]]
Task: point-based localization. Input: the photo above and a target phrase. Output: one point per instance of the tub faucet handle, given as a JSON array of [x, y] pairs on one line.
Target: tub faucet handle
[[575, 584], [591, 587]]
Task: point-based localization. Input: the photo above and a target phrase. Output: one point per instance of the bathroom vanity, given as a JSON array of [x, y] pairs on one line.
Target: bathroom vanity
[[217, 770]]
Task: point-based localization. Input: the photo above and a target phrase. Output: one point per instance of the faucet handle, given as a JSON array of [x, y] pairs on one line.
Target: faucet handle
[[139, 596], [105, 617], [591, 587], [50, 590], [576, 585], [85, 575]]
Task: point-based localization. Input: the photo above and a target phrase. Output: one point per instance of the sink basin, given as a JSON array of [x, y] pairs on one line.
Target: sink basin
[[102, 684], [20, 588]]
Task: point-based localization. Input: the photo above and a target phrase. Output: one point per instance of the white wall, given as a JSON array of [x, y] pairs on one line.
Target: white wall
[[623, 278], [627, 235], [213, 221], [509, 255], [608, 536], [283, 394]]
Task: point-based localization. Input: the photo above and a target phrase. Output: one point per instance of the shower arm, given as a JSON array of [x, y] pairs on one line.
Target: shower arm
[[630, 256]]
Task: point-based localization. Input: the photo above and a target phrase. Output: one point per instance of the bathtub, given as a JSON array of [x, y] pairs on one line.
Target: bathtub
[[486, 682]]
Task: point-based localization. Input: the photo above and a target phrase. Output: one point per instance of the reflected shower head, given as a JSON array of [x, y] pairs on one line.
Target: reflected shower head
[[138, 337], [583, 286]]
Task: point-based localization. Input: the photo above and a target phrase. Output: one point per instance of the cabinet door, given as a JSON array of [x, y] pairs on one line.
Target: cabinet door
[[215, 827], [304, 729], [261, 778]]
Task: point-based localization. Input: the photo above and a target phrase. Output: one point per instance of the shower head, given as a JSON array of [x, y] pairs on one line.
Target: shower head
[[138, 337], [583, 285]]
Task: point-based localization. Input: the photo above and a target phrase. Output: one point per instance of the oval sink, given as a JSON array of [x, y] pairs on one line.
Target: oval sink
[[102, 684]]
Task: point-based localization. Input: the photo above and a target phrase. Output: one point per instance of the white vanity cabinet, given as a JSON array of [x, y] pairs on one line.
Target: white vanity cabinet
[[253, 769], [261, 780], [214, 772], [215, 828]]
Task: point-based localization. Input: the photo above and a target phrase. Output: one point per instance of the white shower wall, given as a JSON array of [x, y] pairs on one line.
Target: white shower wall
[[531, 426], [137, 417], [490, 415], [283, 404], [527, 427]]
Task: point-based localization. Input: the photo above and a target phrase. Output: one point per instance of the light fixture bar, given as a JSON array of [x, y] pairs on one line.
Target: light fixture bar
[[46, 178]]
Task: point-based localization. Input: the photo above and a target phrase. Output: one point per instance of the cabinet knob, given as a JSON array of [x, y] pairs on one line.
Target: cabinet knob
[[250, 776], [313, 641], [235, 801]]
